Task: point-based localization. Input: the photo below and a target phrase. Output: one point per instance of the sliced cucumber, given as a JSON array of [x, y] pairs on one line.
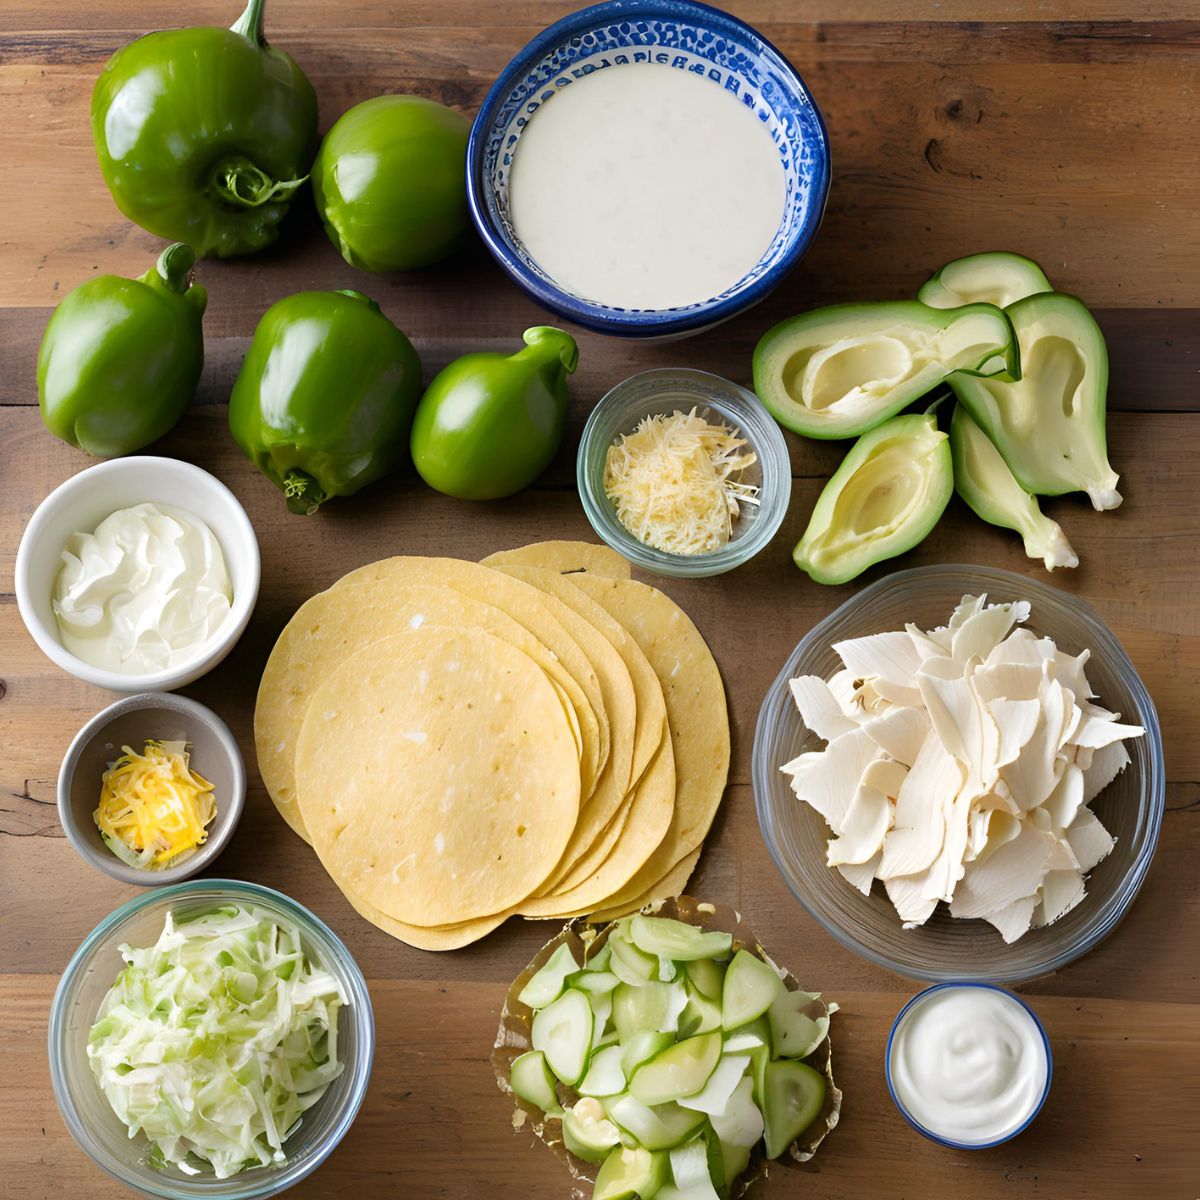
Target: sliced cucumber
[[602, 1006], [680, 1070], [734, 1160], [691, 1171], [627, 1173], [715, 1095], [700, 1014], [593, 982], [676, 939], [587, 1132], [760, 1059], [548, 983], [563, 1031], [628, 963], [599, 960], [642, 1047], [653, 1005], [605, 1075], [794, 1034], [707, 976], [741, 1124], [749, 1037], [793, 1096], [533, 1081], [751, 986], [657, 1128]]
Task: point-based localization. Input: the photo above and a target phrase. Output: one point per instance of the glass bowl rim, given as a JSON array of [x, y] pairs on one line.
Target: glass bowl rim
[[273, 1181], [1153, 788]]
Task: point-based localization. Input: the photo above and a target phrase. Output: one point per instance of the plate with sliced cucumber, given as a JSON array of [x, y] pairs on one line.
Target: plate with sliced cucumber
[[665, 1056]]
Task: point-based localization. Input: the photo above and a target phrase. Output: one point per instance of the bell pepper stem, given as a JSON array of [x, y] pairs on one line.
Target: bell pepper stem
[[239, 182], [174, 267], [250, 23], [546, 341], [303, 493]]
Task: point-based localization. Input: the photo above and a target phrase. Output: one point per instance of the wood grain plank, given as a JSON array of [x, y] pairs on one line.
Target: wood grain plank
[[434, 1124]]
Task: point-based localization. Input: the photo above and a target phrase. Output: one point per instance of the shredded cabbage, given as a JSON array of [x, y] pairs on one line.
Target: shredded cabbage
[[214, 1041]]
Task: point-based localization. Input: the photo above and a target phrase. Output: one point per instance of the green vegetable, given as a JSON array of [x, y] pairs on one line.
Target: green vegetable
[[205, 134], [707, 976], [488, 425], [998, 277], [680, 1070], [982, 478], [627, 1173], [676, 939], [793, 1096], [751, 986], [547, 984], [533, 1081], [563, 1032], [587, 1132], [1050, 424], [217, 1039], [641, 1046], [692, 1172], [700, 1015], [841, 371], [794, 1034], [605, 1074], [390, 183], [628, 963], [885, 498], [120, 358], [324, 401], [656, 1128]]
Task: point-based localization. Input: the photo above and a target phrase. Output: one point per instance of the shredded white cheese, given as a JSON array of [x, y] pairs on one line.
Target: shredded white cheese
[[675, 482]]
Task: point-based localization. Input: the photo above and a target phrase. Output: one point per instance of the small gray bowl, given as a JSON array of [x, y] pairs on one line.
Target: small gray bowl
[[132, 722]]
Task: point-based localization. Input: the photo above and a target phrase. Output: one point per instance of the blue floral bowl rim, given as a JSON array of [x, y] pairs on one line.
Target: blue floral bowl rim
[[920, 998], [602, 318]]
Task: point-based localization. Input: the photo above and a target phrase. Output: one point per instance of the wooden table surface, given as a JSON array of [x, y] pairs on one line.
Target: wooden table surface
[[1073, 140]]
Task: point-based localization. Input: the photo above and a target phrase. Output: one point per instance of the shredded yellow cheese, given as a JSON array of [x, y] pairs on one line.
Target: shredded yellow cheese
[[674, 482], [153, 807]]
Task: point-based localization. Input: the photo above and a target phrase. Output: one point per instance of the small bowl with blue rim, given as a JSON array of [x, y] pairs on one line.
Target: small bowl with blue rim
[[690, 37]]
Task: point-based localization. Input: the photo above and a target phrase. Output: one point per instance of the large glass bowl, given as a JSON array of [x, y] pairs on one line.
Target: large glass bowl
[[86, 1111], [946, 948]]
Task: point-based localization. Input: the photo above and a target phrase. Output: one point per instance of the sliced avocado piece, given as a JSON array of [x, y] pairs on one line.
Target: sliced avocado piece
[[653, 1005], [700, 1014], [750, 987], [562, 1031], [997, 277], [642, 1047], [1050, 424], [885, 498], [741, 1124], [605, 1075], [656, 1128], [793, 1096], [838, 372], [532, 1080], [749, 1036], [548, 983], [629, 1172], [707, 976], [587, 1132], [794, 1034], [680, 1070], [982, 478], [676, 939]]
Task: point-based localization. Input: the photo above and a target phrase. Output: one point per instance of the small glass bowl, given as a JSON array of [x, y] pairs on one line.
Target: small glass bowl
[[86, 1111], [920, 998], [947, 948], [667, 390]]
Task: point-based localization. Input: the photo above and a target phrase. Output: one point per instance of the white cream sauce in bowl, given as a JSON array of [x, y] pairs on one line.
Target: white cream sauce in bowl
[[968, 1065]]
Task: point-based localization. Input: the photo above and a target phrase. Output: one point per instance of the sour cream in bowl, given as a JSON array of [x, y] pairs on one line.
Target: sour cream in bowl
[[138, 574], [648, 168], [968, 1064]]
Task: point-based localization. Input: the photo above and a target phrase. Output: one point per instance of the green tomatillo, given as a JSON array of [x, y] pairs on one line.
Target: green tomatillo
[[120, 358], [390, 183], [488, 425], [324, 401], [205, 134]]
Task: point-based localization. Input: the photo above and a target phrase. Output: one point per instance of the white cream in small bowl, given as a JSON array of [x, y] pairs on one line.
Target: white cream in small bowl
[[968, 1064], [155, 598]]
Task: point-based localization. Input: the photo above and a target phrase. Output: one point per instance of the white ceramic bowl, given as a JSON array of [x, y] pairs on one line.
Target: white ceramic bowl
[[81, 503]]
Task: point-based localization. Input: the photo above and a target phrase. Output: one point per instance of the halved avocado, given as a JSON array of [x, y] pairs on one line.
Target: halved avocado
[[1050, 424], [996, 277], [983, 479], [838, 372], [885, 498]]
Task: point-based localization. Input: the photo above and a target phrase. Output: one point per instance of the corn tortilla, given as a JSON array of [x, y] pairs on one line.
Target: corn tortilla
[[674, 883], [562, 557], [456, 784]]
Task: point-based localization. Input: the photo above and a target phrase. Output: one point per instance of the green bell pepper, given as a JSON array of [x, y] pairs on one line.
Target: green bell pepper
[[120, 358], [390, 183], [488, 425], [204, 134], [324, 401]]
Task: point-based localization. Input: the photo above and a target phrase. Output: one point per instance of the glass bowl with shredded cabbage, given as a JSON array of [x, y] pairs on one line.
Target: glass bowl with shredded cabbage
[[210, 1039], [683, 472]]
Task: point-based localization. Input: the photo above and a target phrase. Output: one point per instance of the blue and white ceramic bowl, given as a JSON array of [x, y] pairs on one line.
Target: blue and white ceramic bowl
[[679, 33]]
